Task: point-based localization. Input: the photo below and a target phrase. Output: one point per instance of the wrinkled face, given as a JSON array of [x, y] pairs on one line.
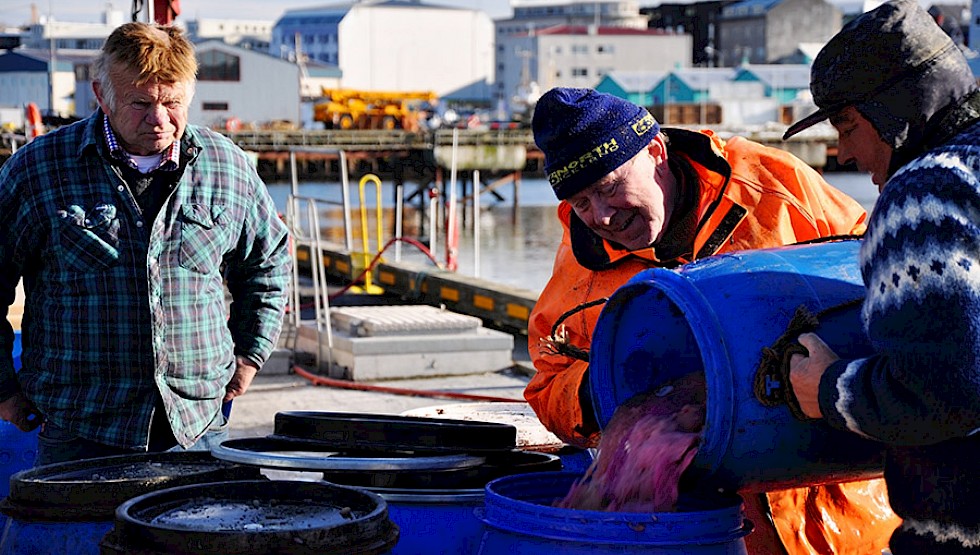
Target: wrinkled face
[[146, 119], [630, 206], [859, 142]]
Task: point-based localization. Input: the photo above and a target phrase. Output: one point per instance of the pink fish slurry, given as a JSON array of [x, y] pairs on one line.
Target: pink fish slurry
[[649, 443]]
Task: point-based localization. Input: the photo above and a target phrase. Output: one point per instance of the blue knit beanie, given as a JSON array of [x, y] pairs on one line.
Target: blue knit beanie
[[585, 135]]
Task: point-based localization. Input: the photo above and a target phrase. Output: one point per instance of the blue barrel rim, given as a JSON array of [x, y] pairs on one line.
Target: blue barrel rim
[[428, 496], [518, 516]]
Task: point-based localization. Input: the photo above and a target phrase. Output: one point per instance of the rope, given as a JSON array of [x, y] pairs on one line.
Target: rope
[[771, 384], [557, 343]]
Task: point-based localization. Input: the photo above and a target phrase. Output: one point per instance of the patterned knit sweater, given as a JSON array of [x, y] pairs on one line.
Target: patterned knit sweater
[[920, 393]]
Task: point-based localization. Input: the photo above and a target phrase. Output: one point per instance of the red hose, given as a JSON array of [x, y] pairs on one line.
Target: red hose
[[344, 384]]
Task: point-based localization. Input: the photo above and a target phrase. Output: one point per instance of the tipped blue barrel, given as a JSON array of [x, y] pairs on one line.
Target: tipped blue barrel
[[17, 448], [715, 316], [520, 520]]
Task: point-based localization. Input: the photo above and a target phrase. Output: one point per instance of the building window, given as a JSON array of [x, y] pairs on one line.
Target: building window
[[580, 49], [580, 72], [215, 106], [214, 65], [604, 49]]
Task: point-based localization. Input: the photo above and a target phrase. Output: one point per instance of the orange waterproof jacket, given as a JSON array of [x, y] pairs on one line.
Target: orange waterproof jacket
[[750, 196]]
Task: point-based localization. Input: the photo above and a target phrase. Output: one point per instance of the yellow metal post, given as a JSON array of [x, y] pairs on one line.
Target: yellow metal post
[[366, 254]]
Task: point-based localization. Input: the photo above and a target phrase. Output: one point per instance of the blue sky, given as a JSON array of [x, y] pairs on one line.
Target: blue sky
[[17, 12]]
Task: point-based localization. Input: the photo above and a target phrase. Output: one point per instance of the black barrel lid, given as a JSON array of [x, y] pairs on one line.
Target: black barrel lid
[[91, 489], [387, 432], [244, 517], [303, 455]]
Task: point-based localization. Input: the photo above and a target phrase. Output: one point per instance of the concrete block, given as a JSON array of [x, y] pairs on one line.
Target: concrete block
[[396, 342]]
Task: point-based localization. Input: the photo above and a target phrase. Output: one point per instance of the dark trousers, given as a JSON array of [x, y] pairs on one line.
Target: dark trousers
[[56, 444]]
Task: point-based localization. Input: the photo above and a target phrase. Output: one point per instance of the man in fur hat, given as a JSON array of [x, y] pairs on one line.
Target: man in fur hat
[[907, 110]]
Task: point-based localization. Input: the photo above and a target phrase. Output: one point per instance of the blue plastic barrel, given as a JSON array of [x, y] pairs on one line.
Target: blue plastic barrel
[[715, 316], [434, 521], [17, 448], [520, 520]]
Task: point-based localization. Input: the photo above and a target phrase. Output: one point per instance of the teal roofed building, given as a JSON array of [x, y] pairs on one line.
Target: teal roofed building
[[635, 86], [690, 85], [781, 82]]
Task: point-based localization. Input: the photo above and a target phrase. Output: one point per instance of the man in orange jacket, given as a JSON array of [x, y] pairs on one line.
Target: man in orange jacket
[[633, 197]]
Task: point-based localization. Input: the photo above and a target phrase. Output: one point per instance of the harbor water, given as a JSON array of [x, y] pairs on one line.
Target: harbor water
[[515, 248]]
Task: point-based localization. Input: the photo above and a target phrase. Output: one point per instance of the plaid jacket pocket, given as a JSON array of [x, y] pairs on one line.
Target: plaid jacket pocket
[[203, 235], [89, 240]]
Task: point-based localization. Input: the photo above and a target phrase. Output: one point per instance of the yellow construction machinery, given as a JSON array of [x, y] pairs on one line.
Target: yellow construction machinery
[[358, 109]]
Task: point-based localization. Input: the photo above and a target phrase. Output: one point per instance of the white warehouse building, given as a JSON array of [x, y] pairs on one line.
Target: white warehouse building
[[252, 87], [395, 45]]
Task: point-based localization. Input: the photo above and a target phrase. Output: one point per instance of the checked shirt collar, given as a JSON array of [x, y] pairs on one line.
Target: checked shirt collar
[[170, 162]]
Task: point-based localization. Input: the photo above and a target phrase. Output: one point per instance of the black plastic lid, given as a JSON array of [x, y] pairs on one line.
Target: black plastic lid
[[244, 517], [386, 432]]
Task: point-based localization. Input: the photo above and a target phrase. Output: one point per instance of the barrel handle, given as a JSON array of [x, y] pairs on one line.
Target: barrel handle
[[771, 385]]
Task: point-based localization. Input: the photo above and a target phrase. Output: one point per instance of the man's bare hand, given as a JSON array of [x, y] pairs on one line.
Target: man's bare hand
[[20, 412], [805, 373], [244, 373]]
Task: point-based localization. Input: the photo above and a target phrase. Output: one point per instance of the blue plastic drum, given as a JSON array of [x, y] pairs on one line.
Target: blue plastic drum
[[17, 448], [716, 316], [520, 520]]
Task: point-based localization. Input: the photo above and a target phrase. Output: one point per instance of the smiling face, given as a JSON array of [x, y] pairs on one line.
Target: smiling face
[[146, 119], [631, 205], [859, 142]]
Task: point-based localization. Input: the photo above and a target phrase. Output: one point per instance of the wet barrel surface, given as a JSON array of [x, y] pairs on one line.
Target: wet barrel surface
[[244, 517]]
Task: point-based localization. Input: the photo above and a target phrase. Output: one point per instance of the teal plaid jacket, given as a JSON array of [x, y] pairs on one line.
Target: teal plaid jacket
[[120, 310]]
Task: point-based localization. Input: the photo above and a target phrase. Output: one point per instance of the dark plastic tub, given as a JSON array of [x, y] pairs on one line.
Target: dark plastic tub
[[245, 517], [68, 507]]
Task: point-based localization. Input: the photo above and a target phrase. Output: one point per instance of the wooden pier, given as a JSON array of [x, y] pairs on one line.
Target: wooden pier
[[400, 155], [418, 156]]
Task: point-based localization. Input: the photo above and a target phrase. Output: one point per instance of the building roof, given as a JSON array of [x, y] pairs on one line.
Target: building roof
[[333, 13], [748, 8], [31, 59], [698, 78], [780, 76], [637, 81]]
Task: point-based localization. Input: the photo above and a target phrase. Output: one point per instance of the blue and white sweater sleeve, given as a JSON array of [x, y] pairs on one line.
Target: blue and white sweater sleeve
[[921, 267]]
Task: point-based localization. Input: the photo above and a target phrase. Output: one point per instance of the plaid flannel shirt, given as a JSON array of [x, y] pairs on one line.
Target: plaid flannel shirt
[[120, 310]]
